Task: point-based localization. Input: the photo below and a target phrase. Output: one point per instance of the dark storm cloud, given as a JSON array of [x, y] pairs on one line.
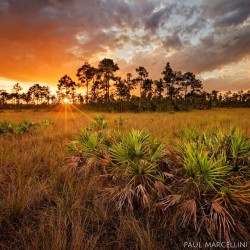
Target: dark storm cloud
[[227, 13], [219, 45], [172, 42], [213, 52], [43, 33], [157, 18]]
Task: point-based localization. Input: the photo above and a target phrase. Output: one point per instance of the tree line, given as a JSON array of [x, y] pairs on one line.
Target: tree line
[[175, 90]]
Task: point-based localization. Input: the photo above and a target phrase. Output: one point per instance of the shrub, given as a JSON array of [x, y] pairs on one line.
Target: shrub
[[194, 186], [8, 127], [99, 122]]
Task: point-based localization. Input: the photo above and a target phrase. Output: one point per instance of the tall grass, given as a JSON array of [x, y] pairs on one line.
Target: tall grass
[[125, 189]]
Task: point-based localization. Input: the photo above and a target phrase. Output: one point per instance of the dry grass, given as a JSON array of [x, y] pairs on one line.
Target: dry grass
[[44, 207]]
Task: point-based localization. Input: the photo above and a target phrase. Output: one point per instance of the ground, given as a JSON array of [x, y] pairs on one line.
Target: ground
[[30, 165]]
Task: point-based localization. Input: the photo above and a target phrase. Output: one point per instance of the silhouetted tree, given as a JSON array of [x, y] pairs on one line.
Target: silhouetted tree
[[159, 88], [183, 91], [66, 88], [168, 77], [96, 90], [107, 67], [176, 84], [142, 75], [3, 97], [15, 90], [122, 89], [196, 86], [26, 97], [188, 77], [39, 93], [85, 74], [147, 88]]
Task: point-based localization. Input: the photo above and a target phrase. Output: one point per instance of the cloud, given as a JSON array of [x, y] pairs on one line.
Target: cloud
[[40, 40], [218, 83], [227, 13], [215, 51]]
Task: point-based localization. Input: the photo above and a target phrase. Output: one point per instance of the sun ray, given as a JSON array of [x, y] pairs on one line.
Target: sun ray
[[87, 116], [73, 115], [59, 112], [66, 100], [66, 117]]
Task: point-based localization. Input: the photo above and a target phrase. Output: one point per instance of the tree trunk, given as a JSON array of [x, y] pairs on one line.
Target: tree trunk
[[185, 96], [87, 92]]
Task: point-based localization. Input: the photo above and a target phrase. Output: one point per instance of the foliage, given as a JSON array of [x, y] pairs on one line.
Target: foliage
[[47, 123], [8, 127], [124, 187], [99, 122], [104, 90], [199, 166], [194, 186]]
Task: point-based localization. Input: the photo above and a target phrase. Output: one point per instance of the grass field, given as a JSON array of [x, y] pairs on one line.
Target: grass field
[[45, 206]]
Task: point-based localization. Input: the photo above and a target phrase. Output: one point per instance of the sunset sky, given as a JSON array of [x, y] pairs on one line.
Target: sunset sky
[[41, 40]]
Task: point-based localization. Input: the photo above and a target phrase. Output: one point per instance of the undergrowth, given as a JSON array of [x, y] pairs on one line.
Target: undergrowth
[[123, 188], [9, 127], [201, 185]]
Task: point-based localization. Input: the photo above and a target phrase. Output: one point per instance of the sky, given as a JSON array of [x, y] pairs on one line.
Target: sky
[[42, 40]]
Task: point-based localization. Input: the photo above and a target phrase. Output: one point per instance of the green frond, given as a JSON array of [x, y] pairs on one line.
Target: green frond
[[140, 168], [199, 165], [86, 142], [190, 134], [132, 147], [99, 122], [157, 150], [239, 144], [236, 194]]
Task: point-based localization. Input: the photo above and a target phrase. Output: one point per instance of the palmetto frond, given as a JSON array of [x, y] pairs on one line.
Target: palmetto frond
[[142, 195], [135, 146], [190, 134], [157, 150], [198, 165], [236, 195], [186, 212], [169, 201], [135, 155], [239, 144], [99, 122], [220, 223], [140, 168], [86, 142], [124, 198], [216, 141]]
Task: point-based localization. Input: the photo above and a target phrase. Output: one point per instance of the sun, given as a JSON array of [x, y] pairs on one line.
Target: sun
[[66, 100]]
